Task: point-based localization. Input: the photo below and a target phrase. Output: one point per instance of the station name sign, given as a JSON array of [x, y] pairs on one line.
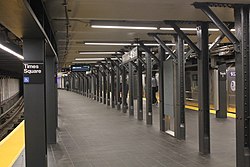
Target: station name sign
[[130, 56], [80, 68], [33, 73]]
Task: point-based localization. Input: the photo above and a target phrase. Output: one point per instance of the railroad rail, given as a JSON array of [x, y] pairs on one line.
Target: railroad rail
[[11, 118]]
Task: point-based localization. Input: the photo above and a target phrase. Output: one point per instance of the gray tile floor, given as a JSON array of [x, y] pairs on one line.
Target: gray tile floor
[[20, 162], [91, 134]]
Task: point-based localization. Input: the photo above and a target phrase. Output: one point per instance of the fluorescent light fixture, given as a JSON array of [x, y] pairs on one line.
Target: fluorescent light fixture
[[107, 44], [11, 51], [83, 62], [119, 44], [151, 44], [166, 29], [98, 53], [213, 29], [170, 44], [124, 27], [92, 59], [186, 29], [172, 29], [232, 30], [89, 59]]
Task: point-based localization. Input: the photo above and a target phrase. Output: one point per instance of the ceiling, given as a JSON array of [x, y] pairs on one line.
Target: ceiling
[[81, 13]]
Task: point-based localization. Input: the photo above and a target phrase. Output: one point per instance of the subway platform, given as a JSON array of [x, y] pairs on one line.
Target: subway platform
[[91, 134]]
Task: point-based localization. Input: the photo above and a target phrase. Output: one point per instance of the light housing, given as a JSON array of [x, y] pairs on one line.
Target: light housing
[[124, 27], [5, 48], [98, 53]]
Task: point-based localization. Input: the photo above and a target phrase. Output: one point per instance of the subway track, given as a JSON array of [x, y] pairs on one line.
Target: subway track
[[11, 118]]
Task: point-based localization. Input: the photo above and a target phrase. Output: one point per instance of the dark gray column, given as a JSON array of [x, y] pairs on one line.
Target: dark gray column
[[118, 92], [56, 95], [162, 58], [108, 88], [222, 112], [112, 73], [149, 116], [34, 109], [139, 90], [97, 87], [124, 87], [131, 90], [203, 97], [94, 86], [104, 88], [84, 85], [101, 85], [242, 64], [180, 132], [87, 86], [79, 83], [51, 96], [73, 82]]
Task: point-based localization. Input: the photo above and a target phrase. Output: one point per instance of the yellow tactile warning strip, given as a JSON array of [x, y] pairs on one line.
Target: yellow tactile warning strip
[[231, 115], [12, 146]]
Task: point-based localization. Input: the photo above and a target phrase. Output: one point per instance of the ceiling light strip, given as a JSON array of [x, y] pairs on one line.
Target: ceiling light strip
[[11, 51], [124, 27], [98, 53], [107, 44]]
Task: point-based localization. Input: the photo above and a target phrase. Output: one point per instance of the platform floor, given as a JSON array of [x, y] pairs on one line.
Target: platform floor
[[92, 134]]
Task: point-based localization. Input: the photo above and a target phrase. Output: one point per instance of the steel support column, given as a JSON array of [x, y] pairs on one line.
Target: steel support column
[[94, 86], [90, 86], [84, 85], [242, 63], [104, 87], [149, 116], [79, 83], [162, 58], [73, 82], [108, 88], [203, 97], [124, 90], [112, 76], [139, 90], [87, 86], [180, 132], [101, 85], [131, 90], [97, 86], [118, 89]]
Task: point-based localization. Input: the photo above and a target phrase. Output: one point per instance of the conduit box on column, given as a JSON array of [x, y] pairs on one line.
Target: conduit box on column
[[33, 73]]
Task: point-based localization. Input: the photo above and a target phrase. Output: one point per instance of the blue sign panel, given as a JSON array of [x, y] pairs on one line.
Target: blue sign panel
[[26, 79]]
